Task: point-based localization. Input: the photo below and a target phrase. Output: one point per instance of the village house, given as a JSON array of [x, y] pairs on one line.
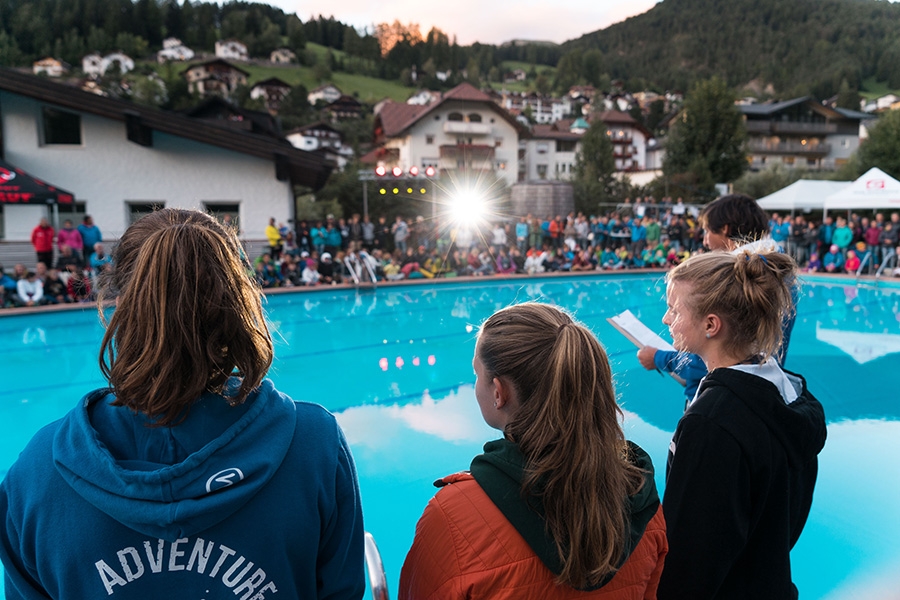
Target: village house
[[215, 77], [49, 66], [345, 107], [122, 160], [801, 133], [93, 65], [283, 56], [174, 50], [326, 94], [271, 91], [464, 133], [322, 139], [231, 50]]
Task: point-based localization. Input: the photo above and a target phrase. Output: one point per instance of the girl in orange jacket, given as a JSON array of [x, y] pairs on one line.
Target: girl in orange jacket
[[562, 506]]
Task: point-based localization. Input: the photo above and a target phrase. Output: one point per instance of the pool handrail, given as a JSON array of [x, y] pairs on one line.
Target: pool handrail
[[375, 568]]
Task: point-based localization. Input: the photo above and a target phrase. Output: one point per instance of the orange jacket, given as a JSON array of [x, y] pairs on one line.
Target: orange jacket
[[465, 548]]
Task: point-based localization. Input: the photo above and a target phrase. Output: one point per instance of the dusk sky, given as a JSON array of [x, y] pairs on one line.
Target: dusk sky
[[485, 21]]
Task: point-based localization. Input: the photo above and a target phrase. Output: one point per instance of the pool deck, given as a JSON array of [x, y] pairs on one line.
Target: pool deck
[[837, 277]]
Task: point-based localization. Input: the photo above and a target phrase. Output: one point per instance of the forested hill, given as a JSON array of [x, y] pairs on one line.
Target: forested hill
[[798, 46]]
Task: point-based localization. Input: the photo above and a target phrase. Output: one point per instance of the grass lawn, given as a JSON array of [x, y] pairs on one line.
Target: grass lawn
[[872, 89]]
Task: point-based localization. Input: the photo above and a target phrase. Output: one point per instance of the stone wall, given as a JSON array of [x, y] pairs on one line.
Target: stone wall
[[542, 199]]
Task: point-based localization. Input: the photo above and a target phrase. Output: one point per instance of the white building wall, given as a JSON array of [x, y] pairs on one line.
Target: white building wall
[[106, 171], [415, 151]]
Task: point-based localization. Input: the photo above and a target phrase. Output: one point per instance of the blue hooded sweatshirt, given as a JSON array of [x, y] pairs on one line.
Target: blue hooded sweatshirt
[[248, 502]]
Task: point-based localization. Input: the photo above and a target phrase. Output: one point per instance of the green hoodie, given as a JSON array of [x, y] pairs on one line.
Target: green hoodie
[[500, 471]]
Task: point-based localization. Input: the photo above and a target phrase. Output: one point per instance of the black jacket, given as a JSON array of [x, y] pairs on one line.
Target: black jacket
[[739, 484]]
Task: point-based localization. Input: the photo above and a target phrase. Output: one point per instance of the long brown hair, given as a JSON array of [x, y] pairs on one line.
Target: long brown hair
[[187, 316], [567, 427], [751, 293]]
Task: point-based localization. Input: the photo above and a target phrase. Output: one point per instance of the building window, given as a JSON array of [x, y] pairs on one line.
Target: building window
[[542, 171], [565, 145], [61, 127], [474, 118], [498, 142], [220, 209], [139, 209], [74, 212], [429, 139], [811, 162], [542, 148], [455, 117]]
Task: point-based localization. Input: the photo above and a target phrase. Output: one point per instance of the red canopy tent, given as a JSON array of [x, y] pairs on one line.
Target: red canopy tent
[[18, 187]]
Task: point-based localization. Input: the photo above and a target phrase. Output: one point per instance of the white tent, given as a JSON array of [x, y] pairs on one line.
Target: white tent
[[803, 194], [875, 189]]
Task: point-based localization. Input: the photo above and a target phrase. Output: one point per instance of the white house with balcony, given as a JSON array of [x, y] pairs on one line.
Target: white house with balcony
[[327, 93], [174, 50], [323, 139], [231, 50], [801, 133], [463, 134]]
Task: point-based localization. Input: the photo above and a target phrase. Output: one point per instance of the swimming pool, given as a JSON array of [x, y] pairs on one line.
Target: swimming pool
[[395, 366]]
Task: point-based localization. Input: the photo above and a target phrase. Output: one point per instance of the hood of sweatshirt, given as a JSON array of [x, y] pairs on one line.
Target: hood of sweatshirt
[[799, 426], [173, 482], [500, 472]]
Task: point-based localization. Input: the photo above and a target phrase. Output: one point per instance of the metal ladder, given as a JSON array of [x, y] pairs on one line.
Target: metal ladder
[[375, 568], [360, 269]]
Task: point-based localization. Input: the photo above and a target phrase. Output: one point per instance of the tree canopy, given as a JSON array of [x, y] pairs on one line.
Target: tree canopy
[[594, 168], [706, 141], [882, 148]]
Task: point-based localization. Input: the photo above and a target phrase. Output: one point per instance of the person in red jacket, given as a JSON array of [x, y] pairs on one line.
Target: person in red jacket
[[42, 240], [562, 506]]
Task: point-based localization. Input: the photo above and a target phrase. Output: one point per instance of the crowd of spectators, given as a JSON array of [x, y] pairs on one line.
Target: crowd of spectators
[[80, 257], [333, 251]]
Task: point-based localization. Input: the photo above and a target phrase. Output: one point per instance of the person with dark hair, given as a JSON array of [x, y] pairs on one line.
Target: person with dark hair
[[742, 464], [562, 506], [190, 476], [728, 223], [90, 236]]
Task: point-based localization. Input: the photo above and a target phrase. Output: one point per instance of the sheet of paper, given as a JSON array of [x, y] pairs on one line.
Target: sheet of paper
[[639, 334]]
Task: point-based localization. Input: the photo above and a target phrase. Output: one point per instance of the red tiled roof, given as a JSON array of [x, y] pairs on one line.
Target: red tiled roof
[[615, 116], [555, 131], [397, 116], [467, 92]]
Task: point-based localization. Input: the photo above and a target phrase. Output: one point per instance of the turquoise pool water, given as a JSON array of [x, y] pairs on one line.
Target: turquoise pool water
[[395, 366]]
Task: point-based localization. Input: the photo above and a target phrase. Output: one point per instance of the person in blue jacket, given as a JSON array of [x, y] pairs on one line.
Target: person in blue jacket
[[729, 223], [190, 476]]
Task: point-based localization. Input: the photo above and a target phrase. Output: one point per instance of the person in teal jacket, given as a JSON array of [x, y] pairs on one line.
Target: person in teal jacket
[[833, 261], [843, 235], [190, 476]]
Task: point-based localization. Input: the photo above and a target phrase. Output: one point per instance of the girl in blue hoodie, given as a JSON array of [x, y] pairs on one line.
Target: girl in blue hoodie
[[190, 476]]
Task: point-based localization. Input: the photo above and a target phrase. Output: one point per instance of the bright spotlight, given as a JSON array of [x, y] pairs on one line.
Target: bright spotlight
[[414, 171], [467, 206], [380, 171], [397, 171]]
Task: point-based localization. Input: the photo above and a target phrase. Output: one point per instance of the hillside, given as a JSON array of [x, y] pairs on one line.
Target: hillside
[[795, 46]]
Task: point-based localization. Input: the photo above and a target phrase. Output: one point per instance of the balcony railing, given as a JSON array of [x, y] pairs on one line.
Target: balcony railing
[[467, 152], [790, 147], [755, 126], [455, 127]]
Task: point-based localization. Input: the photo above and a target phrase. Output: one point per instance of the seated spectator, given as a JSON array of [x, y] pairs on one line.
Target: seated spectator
[[30, 291], [55, 290], [814, 265], [504, 265], [582, 261], [392, 270], [291, 274], [326, 269], [310, 275], [68, 257], [534, 261], [851, 264], [609, 260], [100, 260], [833, 261], [7, 289], [515, 255], [78, 287]]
